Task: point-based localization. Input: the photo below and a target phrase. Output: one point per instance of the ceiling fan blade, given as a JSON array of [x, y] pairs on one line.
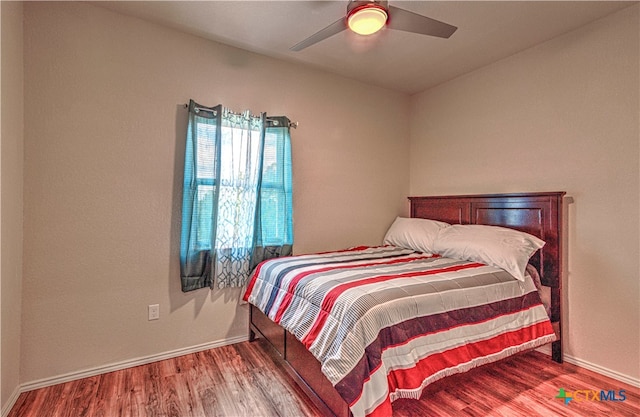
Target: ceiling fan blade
[[336, 27], [407, 21]]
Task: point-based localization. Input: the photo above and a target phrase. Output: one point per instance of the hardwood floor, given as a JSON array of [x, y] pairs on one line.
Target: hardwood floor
[[235, 380], [243, 380]]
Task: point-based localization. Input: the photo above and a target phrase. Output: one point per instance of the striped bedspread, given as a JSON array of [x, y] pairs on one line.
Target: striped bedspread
[[384, 322]]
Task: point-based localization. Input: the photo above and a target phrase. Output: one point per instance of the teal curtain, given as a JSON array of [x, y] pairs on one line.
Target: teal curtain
[[274, 220], [237, 196]]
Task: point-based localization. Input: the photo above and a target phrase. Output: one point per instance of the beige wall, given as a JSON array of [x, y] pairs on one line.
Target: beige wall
[[104, 131], [103, 152], [11, 166], [562, 116]]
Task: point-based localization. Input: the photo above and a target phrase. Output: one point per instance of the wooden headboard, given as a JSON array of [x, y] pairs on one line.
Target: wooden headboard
[[539, 214]]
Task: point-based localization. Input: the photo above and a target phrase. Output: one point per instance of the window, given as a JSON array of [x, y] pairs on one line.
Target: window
[[236, 187], [237, 195], [276, 190]]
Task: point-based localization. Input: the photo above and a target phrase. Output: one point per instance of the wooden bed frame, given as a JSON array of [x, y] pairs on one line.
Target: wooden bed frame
[[539, 214]]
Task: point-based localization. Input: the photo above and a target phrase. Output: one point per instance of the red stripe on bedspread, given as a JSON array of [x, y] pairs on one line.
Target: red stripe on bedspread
[[421, 326], [256, 272], [352, 249], [288, 297], [413, 378], [330, 299], [252, 281]]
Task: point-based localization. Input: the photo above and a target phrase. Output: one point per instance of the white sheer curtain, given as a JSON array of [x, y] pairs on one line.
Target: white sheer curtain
[[240, 169]]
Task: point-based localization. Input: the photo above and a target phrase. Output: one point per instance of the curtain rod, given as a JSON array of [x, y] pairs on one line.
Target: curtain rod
[[291, 124]]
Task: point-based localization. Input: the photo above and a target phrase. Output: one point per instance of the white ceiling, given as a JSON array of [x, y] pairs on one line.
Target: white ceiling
[[401, 61]]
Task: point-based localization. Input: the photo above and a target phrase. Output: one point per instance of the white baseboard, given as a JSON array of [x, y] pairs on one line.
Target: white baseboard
[[595, 368], [72, 376], [603, 371], [11, 402]]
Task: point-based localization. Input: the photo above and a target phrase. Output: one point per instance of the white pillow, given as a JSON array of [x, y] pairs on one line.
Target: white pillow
[[492, 245], [414, 233]]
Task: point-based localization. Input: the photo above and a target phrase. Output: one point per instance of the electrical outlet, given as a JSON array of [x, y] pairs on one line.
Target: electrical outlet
[[154, 311]]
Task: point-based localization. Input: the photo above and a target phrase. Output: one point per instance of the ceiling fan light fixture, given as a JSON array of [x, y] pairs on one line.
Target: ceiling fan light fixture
[[367, 19]]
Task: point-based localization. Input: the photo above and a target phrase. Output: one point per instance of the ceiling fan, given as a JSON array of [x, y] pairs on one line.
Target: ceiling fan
[[367, 17]]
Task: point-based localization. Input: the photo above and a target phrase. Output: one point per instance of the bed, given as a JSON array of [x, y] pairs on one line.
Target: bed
[[331, 387]]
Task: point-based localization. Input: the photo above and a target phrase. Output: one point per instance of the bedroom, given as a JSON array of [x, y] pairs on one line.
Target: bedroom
[[80, 269]]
